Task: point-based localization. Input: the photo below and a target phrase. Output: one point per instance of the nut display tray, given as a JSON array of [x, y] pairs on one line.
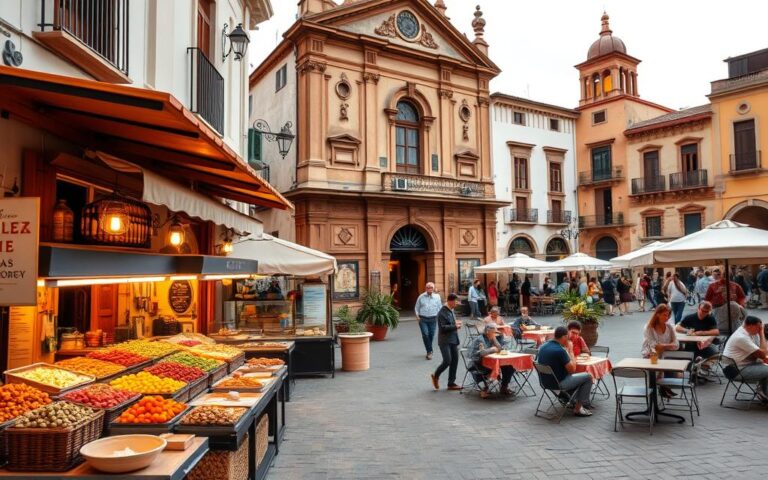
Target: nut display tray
[[12, 376], [238, 427]]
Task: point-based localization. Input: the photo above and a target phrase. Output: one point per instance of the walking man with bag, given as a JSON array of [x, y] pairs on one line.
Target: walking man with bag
[[427, 306]]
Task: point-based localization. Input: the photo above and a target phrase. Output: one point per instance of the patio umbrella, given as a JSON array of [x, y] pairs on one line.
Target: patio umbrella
[[725, 240], [515, 263], [637, 257], [578, 261]]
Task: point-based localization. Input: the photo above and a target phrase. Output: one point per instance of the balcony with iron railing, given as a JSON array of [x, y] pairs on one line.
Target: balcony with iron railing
[[646, 185], [206, 90], [521, 215], [690, 179], [601, 175], [92, 34], [558, 216], [746, 162], [433, 185], [605, 220]]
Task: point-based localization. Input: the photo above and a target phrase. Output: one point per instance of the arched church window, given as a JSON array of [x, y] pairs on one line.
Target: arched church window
[[407, 129]]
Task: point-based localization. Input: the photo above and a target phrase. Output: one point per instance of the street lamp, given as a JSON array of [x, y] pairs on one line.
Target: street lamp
[[284, 139], [571, 232], [238, 41]]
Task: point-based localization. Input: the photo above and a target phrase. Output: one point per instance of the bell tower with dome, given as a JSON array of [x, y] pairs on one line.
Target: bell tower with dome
[[608, 71]]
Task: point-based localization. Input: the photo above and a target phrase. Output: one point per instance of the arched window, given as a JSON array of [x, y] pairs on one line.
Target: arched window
[[407, 138], [595, 85], [606, 248], [607, 82], [556, 249], [521, 245]]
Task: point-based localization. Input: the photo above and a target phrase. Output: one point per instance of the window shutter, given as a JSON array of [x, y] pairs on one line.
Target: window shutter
[[254, 149]]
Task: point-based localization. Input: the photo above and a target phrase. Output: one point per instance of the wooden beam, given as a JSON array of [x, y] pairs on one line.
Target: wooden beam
[[124, 147]]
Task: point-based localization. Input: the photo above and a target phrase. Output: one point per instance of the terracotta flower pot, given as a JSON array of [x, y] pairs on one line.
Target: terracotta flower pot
[[589, 334], [355, 351], [379, 331]]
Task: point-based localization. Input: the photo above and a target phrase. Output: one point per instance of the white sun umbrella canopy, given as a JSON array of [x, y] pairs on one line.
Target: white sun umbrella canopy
[[515, 263], [579, 261], [636, 258], [276, 256]]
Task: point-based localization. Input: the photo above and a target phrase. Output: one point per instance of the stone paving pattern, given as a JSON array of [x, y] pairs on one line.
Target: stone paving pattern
[[388, 422]]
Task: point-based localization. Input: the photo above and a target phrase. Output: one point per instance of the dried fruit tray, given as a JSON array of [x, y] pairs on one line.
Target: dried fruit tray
[[218, 387], [12, 376], [145, 428], [240, 426]]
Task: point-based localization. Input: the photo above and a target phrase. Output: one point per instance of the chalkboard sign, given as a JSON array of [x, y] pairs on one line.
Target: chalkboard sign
[[180, 296]]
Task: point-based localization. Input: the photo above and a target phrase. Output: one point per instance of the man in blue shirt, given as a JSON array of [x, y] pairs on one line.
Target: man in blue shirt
[[487, 344], [558, 355], [473, 298], [427, 306]]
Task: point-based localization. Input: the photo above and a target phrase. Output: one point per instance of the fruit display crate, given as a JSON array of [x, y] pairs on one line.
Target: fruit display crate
[[12, 376], [136, 368], [111, 414], [197, 387], [145, 428], [235, 362], [238, 428], [50, 449], [217, 374], [265, 384]]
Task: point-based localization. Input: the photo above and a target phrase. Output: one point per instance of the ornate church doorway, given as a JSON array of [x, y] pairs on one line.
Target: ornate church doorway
[[407, 266]]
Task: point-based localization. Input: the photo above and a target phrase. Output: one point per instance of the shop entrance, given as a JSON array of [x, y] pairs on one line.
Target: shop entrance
[[407, 266]]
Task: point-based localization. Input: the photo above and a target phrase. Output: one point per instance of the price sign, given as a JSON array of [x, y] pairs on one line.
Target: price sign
[[180, 296], [19, 225]]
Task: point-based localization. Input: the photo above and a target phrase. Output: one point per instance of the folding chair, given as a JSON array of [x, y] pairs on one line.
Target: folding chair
[[473, 331], [474, 374], [709, 370], [520, 342], [600, 387], [547, 306], [550, 388], [732, 373], [685, 384], [626, 393]]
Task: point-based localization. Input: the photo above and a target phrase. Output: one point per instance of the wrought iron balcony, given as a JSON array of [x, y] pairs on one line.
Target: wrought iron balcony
[[99, 25], [746, 161], [594, 221], [691, 179], [559, 216], [406, 182], [601, 175], [206, 90], [521, 215], [654, 184]]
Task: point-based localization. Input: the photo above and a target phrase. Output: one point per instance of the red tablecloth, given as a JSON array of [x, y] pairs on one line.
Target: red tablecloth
[[505, 330], [521, 361], [539, 336], [598, 367]]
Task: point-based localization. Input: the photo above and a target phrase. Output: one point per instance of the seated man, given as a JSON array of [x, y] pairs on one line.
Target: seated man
[[578, 345], [701, 323], [494, 318], [557, 355], [523, 322], [487, 344], [748, 348]]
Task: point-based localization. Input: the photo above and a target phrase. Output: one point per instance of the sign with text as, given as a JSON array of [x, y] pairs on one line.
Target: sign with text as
[[19, 234]]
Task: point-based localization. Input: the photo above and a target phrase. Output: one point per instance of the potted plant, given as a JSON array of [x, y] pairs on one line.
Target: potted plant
[[586, 311], [342, 319], [355, 347], [378, 313]]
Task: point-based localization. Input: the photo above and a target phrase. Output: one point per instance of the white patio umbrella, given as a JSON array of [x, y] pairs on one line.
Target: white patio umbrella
[[637, 257], [725, 240], [579, 261], [515, 263]]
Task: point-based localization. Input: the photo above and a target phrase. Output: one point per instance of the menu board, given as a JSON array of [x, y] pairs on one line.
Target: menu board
[[315, 304], [19, 222], [180, 296], [21, 334]]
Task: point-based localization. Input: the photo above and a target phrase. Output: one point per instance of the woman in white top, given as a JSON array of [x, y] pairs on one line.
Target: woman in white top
[[659, 337], [677, 294], [639, 293]]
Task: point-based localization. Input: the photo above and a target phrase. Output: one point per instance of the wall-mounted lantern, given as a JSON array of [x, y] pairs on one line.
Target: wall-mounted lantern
[[238, 42]]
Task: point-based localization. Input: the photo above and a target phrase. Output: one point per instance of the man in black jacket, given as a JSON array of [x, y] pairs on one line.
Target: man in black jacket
[[448, 340]]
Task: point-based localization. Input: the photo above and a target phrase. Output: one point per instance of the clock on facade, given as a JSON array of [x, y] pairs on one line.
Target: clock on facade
[[407, 24]]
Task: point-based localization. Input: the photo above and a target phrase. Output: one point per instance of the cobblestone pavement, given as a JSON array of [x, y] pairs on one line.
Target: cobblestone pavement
[[388, 422]]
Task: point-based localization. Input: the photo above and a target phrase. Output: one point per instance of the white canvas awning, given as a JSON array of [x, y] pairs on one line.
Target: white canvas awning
[[515, 263], [636, 258], [277, 256], [158, 190], [579, 261]]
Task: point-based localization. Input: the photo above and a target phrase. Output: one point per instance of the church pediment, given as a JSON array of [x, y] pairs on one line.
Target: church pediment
[[407, 23]]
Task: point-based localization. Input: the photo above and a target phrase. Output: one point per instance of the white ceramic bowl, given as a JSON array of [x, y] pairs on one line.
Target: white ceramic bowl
[[100, 454]]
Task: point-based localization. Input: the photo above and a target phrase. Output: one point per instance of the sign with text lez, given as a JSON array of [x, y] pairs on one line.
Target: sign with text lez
[[19, 235]]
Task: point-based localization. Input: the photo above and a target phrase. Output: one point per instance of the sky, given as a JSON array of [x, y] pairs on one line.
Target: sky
[[536, 43]]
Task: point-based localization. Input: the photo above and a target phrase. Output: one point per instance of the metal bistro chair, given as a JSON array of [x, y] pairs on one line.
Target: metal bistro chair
[[710, 370], [547, 305], [685, 384], [523, 377], [551, 390], [520, 342], [473, 374], [732, 373], [626, 393], [600, 387], [473, 331]]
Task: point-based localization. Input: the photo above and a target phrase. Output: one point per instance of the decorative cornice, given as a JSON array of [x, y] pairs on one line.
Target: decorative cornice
[[445, 93], [311, 65], [483, 101], [369, 77]]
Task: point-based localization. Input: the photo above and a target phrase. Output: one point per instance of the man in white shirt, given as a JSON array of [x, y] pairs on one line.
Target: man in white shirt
[[748, 348], [427, 306], [473, 298]]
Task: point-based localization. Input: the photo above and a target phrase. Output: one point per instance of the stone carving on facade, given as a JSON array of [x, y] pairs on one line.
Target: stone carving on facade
[[343, 115], [468, 237], [446, 93], [388, 28], [426, 39], [311, 65], [464, 114], [343, 87], [345, 236], [371, 77]]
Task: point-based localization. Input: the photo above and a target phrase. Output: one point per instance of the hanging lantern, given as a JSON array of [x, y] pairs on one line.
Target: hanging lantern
[[114, 218], [227, 247], [176, 234]]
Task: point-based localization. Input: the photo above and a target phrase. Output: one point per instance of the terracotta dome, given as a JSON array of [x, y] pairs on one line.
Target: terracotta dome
[[607, 43]]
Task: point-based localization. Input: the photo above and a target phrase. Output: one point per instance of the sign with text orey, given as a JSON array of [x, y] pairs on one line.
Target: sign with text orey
[[19, 236]]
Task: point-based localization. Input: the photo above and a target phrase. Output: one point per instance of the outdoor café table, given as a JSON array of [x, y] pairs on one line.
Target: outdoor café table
[[522, 362], [663, 365], [598, 367], [540, 335], [505, 329], [701, 341]]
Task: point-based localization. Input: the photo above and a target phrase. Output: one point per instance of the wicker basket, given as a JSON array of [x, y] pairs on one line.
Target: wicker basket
[[217, 374], [50, 449], [235, 363], [262, 438], [222, 465]]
